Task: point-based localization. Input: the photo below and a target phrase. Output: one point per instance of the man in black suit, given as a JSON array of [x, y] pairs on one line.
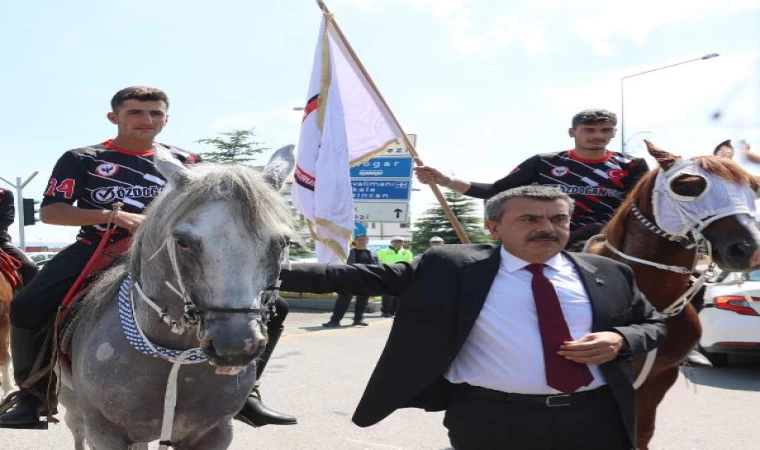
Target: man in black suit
[[525, 346]]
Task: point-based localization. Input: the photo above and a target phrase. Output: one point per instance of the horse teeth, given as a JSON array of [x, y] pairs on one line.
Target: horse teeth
[[228, 370]]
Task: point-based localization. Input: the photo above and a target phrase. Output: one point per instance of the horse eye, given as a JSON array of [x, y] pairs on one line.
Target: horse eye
[[688, 185], [182, 242]]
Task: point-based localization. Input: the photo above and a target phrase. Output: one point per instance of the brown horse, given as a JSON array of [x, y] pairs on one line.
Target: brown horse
[[676, 208], [6, 295]]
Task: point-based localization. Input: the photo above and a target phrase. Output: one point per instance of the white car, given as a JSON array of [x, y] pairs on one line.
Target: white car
[[731, 316], [40, 258]]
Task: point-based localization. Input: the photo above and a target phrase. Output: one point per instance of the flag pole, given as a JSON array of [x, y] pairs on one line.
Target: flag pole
[[407, 143]]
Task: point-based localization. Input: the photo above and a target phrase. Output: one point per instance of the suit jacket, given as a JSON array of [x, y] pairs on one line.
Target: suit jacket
[[442, 295]]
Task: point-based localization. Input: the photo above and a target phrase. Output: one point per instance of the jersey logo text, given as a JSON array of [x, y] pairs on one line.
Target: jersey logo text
[[111, 193]]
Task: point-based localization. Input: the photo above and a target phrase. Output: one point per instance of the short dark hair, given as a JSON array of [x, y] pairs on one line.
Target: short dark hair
[[726, 143], [590, 116], [495, 204], [141, 93]]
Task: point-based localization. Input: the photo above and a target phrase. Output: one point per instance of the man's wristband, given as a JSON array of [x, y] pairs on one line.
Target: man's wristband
[[451, 182]]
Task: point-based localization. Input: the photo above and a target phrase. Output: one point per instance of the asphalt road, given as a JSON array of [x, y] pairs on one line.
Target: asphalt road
[[319, 375]]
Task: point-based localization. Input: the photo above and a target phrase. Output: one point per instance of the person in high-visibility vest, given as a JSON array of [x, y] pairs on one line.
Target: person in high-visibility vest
[[391, 255]]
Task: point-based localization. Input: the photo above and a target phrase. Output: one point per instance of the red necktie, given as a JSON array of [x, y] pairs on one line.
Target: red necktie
[[561, 374]]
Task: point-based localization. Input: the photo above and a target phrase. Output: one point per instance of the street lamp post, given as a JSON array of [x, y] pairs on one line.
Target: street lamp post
[[622, 90]]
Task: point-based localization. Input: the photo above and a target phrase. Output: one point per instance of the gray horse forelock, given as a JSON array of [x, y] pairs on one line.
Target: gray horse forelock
[[259, 206]]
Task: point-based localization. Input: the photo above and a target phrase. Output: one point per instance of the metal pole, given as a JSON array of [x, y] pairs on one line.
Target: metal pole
[[622, 116], [20, 209]]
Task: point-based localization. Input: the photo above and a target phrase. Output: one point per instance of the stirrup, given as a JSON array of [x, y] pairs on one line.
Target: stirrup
[[13, 399]]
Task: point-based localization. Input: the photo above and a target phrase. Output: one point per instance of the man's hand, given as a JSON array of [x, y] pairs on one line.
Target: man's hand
[[429, 175], [128, 221], [594, 348]]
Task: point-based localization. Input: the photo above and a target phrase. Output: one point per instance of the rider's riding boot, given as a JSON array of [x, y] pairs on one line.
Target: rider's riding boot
[[255, 413], [26, 345], [696, 359]]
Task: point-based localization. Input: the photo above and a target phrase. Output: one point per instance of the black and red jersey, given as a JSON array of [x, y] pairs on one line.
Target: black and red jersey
[[97, 176], [597, 186]]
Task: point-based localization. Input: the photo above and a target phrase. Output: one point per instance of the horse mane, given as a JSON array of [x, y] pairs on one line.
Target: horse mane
[[725, 168], [258, 206]]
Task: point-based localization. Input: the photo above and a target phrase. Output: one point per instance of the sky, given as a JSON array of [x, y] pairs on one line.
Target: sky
[[484, 84]]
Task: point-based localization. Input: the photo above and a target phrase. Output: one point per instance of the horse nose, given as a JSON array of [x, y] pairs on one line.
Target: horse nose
[[739, 251], [225, 345]]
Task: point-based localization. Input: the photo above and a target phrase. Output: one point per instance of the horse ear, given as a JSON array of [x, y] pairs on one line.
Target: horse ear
[[664, 159], [175, 172], [279, 166]]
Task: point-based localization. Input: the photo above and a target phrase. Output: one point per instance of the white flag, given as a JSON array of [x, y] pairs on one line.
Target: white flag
[[344, 124]]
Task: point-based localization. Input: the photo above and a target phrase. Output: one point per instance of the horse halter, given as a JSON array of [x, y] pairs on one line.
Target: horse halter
[[682, 219], [192, 314]]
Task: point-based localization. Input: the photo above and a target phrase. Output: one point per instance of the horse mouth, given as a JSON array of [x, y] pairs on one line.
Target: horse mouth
[[230, 361], [240, 358]]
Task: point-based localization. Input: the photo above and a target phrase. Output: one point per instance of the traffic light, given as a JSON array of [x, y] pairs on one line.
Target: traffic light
[[30, 211]]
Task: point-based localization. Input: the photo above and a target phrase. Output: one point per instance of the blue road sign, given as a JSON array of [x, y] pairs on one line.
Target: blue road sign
[[381, 189], [359, 229], [387, 167]]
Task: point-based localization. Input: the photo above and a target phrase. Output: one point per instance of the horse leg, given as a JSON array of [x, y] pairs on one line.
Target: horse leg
[[101, 434], [648, 397], [74, 419], [217, 438], [5, 379], [5, 355]]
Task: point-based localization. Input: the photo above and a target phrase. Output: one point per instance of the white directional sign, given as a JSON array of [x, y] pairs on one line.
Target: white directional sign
[[381, 211]]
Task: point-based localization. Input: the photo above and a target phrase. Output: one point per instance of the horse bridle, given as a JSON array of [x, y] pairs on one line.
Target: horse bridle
[[192, 313], [694, 240]]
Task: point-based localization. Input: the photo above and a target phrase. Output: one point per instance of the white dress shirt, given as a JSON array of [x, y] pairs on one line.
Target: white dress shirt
[[504, 351]]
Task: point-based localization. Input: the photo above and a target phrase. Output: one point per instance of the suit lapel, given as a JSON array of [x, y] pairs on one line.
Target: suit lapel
[[477, 278], [597, 290]]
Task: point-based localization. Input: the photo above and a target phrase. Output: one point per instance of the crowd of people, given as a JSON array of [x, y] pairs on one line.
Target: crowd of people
[[499, 368]]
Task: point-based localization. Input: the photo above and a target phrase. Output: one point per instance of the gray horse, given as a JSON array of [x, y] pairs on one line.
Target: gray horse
[[190, 292]]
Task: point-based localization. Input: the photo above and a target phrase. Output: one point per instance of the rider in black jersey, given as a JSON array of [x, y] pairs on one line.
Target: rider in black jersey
[[597, 179], [7, 216], [95, 177]]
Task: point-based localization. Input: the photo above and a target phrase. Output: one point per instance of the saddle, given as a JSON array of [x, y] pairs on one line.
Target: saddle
[[9, 268], [66, 319]]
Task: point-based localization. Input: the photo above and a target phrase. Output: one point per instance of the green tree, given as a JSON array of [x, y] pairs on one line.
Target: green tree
[[297, 250], [232, 147], [435, 223]]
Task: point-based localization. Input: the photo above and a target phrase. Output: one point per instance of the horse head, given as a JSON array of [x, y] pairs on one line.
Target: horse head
[[709, 199], [209, 252]]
